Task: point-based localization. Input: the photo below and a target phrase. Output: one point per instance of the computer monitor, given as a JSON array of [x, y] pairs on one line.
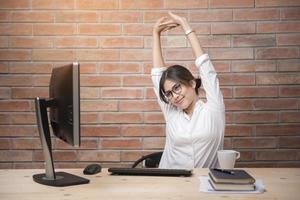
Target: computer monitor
[[64, 106]]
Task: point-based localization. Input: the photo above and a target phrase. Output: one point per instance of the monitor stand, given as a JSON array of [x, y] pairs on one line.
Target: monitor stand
[[51, 177]]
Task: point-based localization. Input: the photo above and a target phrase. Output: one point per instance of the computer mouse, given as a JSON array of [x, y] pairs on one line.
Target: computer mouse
[[92, 169]]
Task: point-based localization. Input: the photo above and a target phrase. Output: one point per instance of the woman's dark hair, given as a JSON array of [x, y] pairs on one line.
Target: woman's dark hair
[[178, 74]]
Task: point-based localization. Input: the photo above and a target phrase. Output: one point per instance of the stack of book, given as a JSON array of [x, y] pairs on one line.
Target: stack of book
[[231, 180]]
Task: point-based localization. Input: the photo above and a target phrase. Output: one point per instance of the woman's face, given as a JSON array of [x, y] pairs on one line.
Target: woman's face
[[180, 95]]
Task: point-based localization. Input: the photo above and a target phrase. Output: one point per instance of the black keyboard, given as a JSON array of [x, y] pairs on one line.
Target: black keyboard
[[150, 172]]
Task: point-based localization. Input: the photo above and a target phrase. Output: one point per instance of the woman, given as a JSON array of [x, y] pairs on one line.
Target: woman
[[194, 129]]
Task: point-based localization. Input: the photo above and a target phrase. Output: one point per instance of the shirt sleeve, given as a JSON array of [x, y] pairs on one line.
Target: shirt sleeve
[[156, 75], [210, 82]]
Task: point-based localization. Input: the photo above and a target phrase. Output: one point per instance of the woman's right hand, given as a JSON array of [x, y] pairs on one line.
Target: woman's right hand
[[163, 24]]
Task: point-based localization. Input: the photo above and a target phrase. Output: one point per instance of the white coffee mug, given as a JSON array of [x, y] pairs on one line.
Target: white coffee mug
[[227, 158]]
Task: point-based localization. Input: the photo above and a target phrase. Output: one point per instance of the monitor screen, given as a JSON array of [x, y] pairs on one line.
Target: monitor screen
[[64, 115]]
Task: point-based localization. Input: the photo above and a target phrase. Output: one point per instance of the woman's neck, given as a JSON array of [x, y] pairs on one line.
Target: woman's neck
[[190, 109]]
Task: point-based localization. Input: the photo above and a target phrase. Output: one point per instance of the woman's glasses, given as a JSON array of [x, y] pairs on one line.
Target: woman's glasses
[[176, 89]]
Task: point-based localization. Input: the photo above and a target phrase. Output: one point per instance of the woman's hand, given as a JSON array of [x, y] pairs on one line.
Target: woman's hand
[[180, 20], [163, 24]]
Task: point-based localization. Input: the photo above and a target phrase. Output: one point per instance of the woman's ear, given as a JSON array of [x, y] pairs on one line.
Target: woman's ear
[[193, 83]]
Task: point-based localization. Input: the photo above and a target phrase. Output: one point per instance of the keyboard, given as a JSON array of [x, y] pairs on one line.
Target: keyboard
[[150, 172]]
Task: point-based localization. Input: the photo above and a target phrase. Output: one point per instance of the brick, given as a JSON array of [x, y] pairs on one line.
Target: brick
[[53, 4], [3, 68], [98, 55], [289, 142], [30, 42], [221, 66], [227, 143], [5, 93], [32, 143], [16, 81], [100, 131], [288, 39], [253, 66], [154, 118], [289, 65], [121, 16], [229, 117], [231, 4], [122, 42], [3, 42], [126, 93], [179, 54], [276, 53], [211, 15], [96, 155], [238, 130], [120, 68], [23, 118], [15, 29], [15, 155], [141, 4], [88, 68], [153, 16], [142, 130], [79, 16], [97, 5], [15, 4], [278, 27], [276, 155], [170, 42], [275, 104], [50, 55], [231, 53], [269, 130], [98, 105], [246, 156], [121, 118], [132, 155], [9, 131], [32, 16], [29, 93], [15, 55], [135, 55], [85, 144], [54, 29], [100, 81], [277, 79], [14, 105], [136, 105], [153, 143], [290, 116], [233, 28], [289, 13], [276, 3], [76, 42], [236, 79], [121, 144], [255, 143], [256, 117], [5, 16], [88, 118], [136, 81], [186, 4], [214, 41], [30, 68], [253, 40], [89, 93], [289, 91], [137, 29], [242, 92], [256, 14], [238, 104], [5, 143]]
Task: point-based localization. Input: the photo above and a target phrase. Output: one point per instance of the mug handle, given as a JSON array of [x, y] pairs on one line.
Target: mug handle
[[237, 155]]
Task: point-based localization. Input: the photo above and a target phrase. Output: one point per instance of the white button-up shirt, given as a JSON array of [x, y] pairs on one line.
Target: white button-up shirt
[[194, 142]]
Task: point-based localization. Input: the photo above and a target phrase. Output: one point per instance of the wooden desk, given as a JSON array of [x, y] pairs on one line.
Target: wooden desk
[[280, 183]]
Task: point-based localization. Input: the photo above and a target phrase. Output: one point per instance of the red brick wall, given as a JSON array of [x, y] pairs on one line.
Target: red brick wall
[[254, 45]]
